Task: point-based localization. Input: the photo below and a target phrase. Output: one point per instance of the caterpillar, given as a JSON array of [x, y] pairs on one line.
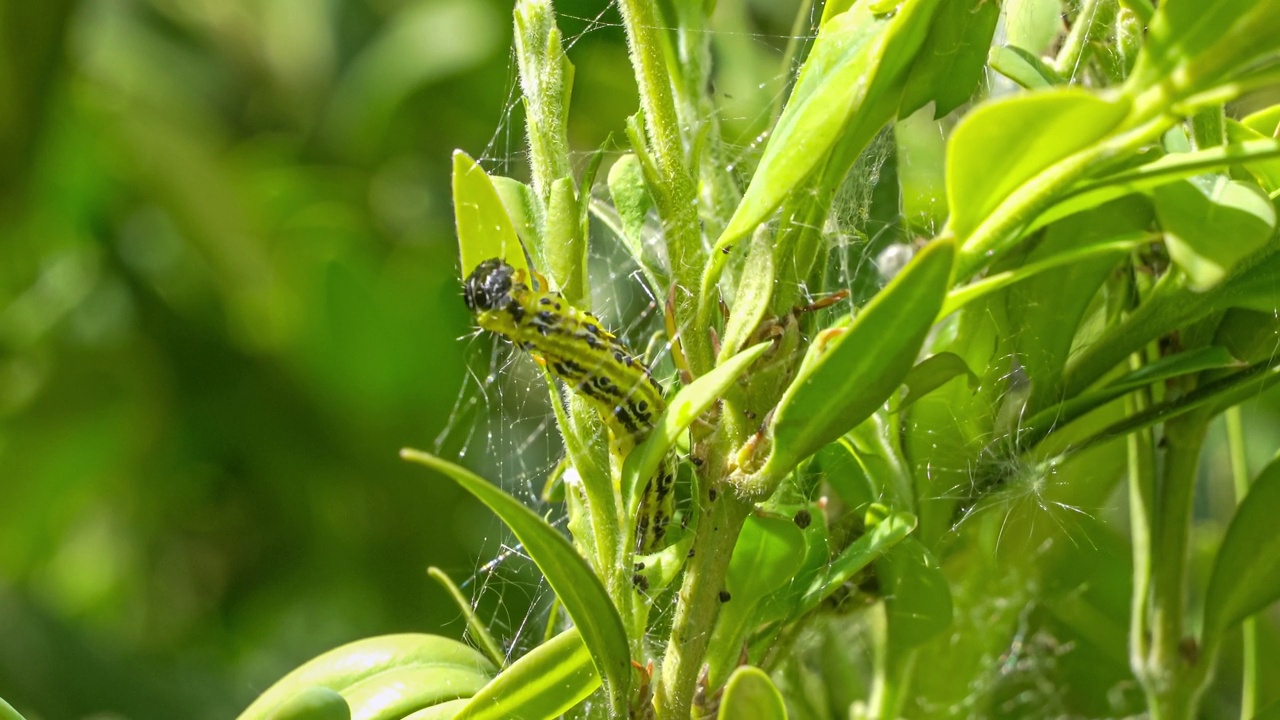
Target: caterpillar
[[574, 346]]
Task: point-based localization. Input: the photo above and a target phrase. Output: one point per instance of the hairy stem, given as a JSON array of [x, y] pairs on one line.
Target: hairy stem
[[676, 197], [698, 603]]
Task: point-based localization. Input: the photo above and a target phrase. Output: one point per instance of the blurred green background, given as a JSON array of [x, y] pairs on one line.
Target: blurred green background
[[228, 296]]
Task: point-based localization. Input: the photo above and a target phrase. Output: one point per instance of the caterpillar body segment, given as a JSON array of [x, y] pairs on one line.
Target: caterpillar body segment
[[592, 362]]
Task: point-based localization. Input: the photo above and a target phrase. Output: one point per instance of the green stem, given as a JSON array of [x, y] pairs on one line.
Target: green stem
[[1142, 496], [1000, 230], [1240, 479], [676, 198], [1175, 670], [698, 602], [1087, 26]]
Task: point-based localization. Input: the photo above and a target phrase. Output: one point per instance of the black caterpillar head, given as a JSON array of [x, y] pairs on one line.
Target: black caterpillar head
[[488, 286]]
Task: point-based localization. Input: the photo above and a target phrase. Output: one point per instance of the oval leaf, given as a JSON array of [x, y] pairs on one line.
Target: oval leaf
[[484, 229], [344, 666], [314, 703], [841, 384], [1211, 223], [545, 683], [1246, 572], [1032, 132], [855, 69], [577, 587], [394, 693], [751, 694]]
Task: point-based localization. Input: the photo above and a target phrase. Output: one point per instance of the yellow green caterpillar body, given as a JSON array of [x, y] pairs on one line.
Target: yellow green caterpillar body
[[576, 348]]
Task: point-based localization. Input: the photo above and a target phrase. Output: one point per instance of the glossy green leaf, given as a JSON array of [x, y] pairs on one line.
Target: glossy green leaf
[[878, 540], [1265, 170], [394, 693], [1145, 177], [1005, 143], [765, 558], [1192, 46], [545, 683], [1246, 571], [313, 703], [751, 694], [751, 300], [916, 595], [484, 229], [574, 583], [854, 70], [932, 373], [444, 711], [353, 663], [840, 383], [632, 201], [523, 209], [566, 247], [950, 64], [1023, 68], [688, 404], [1211, 223], [7, 712]]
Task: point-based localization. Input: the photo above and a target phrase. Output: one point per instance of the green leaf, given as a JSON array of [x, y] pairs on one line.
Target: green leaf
[[932, 373], [1213, 357], [751, 300], [879, 539], [1246, 571], [954, 54], [751, 694], [396, 692], [359, 661], [1267, 170], [444, 711], [1171, 167], [480, 633], [1024, 68], [1002, 144], [688, 404], [548, 681], [1211, 223], [853, 75], [313, 703], [566, 247], [916, 595], [632, 200], [7, 712], [574, 583], [1192, 46], [839, 383], [524, 210], [484, 229]]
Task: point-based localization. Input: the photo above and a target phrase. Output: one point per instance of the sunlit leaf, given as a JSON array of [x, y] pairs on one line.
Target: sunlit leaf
[[878, 540], [689, 403], [1211, 223], [574, 583], [932, 373], [365, 661], [840, 383], [953, 56], [1023, 68], [484, 230], [313, 703], [398, 691], [1002, 144], [854, 71], [751, 694], [544, 683]]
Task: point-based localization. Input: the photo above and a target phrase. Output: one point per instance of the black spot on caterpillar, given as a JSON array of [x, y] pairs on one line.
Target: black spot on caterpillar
[[592, 362]]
